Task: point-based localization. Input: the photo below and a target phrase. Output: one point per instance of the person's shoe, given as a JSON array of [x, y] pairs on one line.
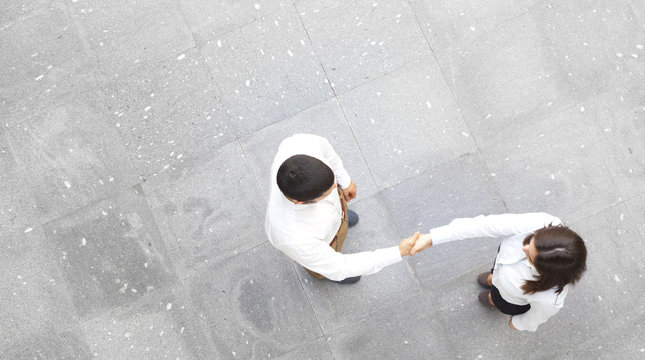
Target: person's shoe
[[483, 298], [349, 280], [352, 218], [482, 279]]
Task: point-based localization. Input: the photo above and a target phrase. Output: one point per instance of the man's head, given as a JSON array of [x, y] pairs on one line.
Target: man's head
[[304, 178]]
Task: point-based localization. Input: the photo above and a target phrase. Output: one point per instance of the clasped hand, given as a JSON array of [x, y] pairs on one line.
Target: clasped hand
[[415, 243]]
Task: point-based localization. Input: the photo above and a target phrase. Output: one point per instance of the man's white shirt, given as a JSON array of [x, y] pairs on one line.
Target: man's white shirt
[[512, 268], [303, 231]]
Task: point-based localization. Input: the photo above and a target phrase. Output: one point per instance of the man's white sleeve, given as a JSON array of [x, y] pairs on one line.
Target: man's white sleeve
[[491, 226], [319, 257]]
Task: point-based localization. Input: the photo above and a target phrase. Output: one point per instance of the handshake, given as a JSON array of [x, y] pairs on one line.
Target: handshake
[[415, 243]]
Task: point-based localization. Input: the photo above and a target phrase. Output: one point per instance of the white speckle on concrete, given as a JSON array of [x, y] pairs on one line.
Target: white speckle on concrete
[[582, 109], [169, 306], [28, 230], [428, 104], [616, 278], [83, 241], [464, 134], [472, 28], [619, 54], [181, 57], [147, 108], [219, 43], [67, 184], [39, 77], [257, 6], [622, 217], [547, 192]]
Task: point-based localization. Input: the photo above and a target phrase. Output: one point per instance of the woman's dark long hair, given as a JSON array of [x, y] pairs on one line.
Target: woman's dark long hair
[[561, 259]]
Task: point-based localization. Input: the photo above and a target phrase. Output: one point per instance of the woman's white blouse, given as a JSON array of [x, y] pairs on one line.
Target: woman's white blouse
[[512, 268]]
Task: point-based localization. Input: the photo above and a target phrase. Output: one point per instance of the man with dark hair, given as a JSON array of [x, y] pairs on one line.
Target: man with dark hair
[[307, 216]]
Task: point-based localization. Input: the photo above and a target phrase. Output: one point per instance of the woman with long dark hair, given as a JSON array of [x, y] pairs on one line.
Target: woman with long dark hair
[[537, 262]]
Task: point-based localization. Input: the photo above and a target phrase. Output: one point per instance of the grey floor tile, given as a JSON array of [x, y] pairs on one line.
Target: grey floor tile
[[637, 208], [159, 327], [34, 296], [51, 345], [317, 350], [14, 9], [120, 36], [410, 330], [406, 122], [208, 19], [552, 166], [71, 156], [110, 253], [502, 81], [266, 71], [625, 342], [593, 45], [615, 122], [327, 120], [216, 213], [169, 116], [338, 305], [359, 41], [458, 188], [253, 305], [42, 57], [449, 23], [17, 210]]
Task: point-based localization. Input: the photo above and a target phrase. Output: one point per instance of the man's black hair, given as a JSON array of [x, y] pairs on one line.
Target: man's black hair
[[304, 178]]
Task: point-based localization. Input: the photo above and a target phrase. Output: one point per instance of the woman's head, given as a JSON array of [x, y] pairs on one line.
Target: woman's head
[[558, 254]]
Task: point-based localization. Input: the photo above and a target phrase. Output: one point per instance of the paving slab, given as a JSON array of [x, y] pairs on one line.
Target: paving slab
[[338, 305], [552, 166], [636, 206], [34, 296], [614, 119], [266, 70], [410, 329], [110, 254], [327, 120], [169, 116], [317, 350], [449, 23], [208, 19], [214, 214], [253, 305], [458, 188], [415, 119], [593, 45], [147, 32], [43, 58], [159, 327], [360, 41], [625, 342], [50, 345], [71, 156], [501, 79]]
